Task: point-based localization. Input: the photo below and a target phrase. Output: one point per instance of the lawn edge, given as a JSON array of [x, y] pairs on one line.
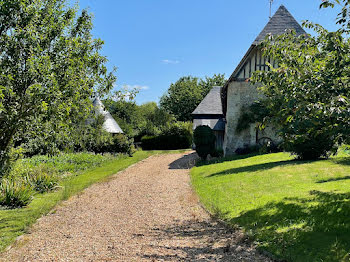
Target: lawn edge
[[228, 225]]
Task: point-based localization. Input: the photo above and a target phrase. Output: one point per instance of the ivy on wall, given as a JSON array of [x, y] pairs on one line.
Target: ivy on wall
[[256, 113]]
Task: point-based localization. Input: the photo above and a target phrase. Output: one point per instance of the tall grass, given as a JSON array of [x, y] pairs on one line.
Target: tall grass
[[15, 193], [41, 174]]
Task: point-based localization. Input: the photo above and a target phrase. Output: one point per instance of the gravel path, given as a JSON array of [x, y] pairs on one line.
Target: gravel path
[[146, 213]]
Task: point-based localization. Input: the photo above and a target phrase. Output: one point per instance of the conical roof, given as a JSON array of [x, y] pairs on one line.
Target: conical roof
[[281, 21], [109, 124], [211, 104]]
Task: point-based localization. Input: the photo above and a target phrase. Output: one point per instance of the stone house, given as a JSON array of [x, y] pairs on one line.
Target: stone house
[[238, 92]]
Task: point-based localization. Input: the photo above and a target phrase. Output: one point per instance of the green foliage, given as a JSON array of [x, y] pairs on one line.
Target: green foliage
[[42, 174], [184, 95], [49, 65], [204, 139], [123, 144], [15, 193], [307, 94], [175, 136], [8, 159], [42, 182], [41, 177], [345, 148], [108, 143], [89, 137], [256, 113], [139, 120], [312, 147], [63, 163]]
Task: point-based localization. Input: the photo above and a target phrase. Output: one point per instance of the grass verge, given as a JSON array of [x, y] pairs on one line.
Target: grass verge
[[15, 222], [295, 210]]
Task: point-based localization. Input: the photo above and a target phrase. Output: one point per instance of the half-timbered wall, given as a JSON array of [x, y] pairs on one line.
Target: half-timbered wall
[[255, 62], [240, 95]]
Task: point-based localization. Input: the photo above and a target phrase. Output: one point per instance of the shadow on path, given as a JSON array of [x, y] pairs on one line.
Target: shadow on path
[[199, 241], [185, 162]]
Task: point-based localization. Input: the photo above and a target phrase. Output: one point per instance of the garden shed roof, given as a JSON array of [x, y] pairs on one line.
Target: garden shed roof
[[110, 125]]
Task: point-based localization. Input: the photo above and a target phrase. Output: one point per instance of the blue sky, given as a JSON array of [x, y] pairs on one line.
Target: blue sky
[[155, 42]]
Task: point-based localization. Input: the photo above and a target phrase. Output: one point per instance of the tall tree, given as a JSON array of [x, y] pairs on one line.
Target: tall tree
[[184, 95], [308, 94], [49, 66]]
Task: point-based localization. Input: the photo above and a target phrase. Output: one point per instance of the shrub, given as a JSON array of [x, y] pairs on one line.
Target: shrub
[[217, 153], [175, 136], [122, 144], [247, 150], [345, 148], [15, 193], [89, 137], [310, 147], [8, 159], [204, 139], [42, 181]]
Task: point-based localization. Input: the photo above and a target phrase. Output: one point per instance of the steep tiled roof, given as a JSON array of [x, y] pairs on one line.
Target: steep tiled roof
[[279, 23], [211, 104]]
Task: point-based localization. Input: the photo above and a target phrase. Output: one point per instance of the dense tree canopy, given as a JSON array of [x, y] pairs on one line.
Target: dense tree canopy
[[184, 95], [49, 66]]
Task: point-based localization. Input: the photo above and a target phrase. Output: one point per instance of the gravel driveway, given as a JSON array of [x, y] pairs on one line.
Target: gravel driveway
[[146, 213]]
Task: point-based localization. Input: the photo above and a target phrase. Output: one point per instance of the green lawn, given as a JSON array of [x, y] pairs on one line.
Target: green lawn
[[15, 222], [295, 210]]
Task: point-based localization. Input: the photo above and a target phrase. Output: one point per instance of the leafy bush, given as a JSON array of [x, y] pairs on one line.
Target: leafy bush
[[204, 139], [15, 193], [122, 144], [217, 153], [139, 120], [42, 181], [310, 147], [175, 136], [8, 160], [89, 137], [345, 148], [256, 113]]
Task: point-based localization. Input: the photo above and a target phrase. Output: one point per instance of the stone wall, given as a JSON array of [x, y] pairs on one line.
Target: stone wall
[[240, 94]]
